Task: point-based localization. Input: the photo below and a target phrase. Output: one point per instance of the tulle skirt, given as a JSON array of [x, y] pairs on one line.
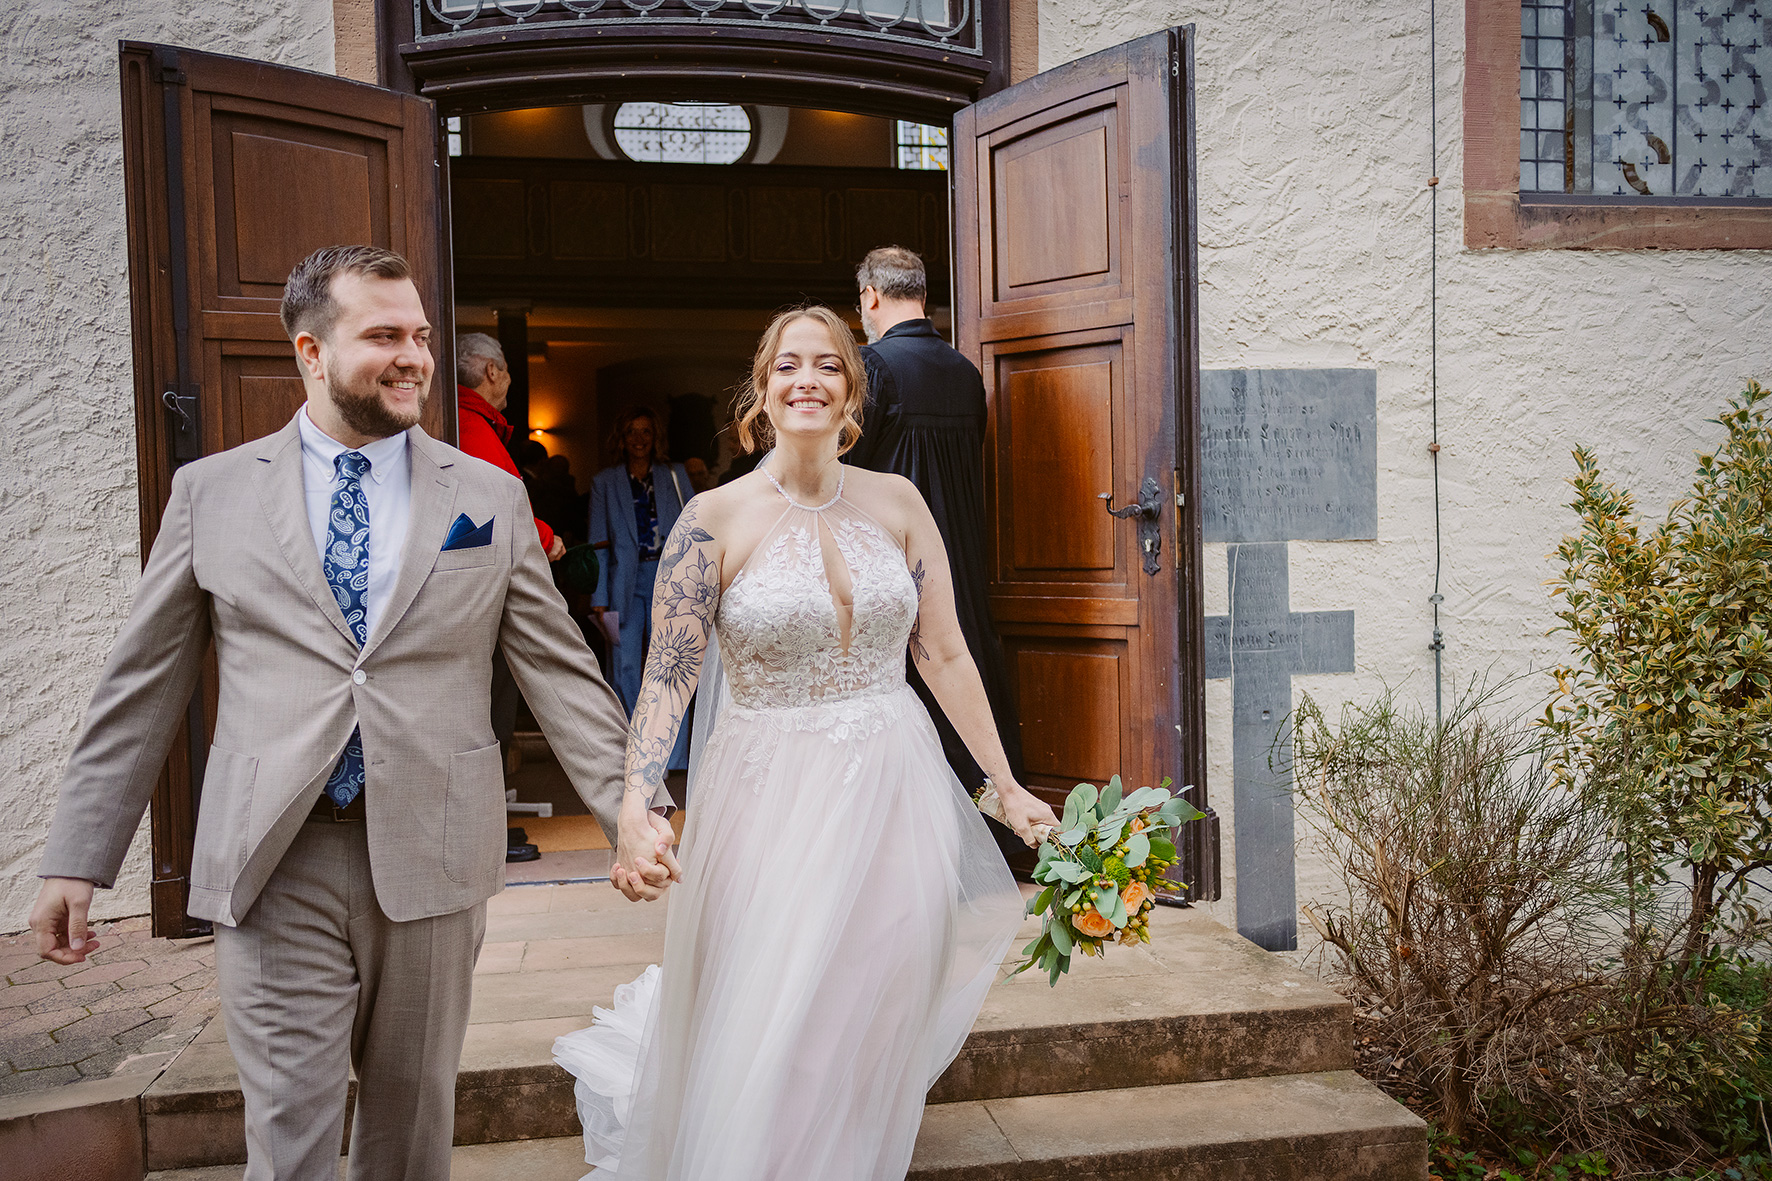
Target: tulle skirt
[[842, 914]]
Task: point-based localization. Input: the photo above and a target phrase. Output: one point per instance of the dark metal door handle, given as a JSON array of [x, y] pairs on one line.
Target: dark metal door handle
[[1148, 509]]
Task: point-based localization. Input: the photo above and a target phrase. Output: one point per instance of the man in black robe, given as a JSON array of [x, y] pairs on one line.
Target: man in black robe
[[925, 420]]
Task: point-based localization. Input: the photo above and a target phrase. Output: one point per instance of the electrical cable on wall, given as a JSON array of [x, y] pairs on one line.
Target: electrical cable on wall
[[1433, 303]]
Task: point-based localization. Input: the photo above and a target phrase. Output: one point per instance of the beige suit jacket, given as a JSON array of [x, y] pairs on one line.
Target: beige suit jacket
[[235, 561]]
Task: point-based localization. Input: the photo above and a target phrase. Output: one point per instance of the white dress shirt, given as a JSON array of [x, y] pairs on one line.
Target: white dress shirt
[[388, 488]]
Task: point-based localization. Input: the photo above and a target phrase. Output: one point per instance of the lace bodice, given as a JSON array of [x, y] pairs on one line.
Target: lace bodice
[[780, 635]]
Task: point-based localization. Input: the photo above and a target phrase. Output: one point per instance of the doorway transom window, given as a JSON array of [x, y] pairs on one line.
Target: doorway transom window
[[920, 145], [1654, 98], [683, 132]]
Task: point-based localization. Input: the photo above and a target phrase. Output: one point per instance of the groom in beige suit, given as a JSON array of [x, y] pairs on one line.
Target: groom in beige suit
[[356, 577]]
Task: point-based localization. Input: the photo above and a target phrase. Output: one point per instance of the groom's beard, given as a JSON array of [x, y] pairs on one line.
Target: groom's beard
[[362, 407], [868, 327]]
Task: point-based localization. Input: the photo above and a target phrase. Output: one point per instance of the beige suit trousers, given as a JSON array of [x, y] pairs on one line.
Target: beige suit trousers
[[315, 980]]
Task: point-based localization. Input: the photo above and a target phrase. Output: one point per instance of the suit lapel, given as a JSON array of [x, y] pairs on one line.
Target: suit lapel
[[433, 506], [278, 482]]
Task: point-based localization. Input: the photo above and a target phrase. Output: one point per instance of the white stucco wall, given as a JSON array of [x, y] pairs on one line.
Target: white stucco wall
[[68, 516], [1313, 155]]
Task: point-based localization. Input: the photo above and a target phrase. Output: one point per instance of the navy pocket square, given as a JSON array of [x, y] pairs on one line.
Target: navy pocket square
[[464, 534]]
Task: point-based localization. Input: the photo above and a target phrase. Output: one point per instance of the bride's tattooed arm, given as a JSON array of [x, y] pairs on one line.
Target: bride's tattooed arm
[[683, 603]]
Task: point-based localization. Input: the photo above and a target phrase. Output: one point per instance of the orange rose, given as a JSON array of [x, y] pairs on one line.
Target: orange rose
[[1137, 824], [1093, 924], [1135, 895]]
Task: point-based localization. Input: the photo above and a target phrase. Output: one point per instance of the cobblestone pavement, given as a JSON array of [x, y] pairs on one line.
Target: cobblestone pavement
[[130, 1007]]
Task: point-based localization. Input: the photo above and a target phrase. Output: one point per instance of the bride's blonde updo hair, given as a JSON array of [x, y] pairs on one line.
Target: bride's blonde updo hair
[[752, 425]]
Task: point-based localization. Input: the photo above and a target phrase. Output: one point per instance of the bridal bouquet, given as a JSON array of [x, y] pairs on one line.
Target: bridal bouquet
[[1098, 870]]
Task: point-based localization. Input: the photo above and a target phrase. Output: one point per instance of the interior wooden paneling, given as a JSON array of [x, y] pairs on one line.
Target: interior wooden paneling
[[689, 223], [489, 218], [1032, 209], [879, 217], [1071, 708], [304, 195], [1061, 458], [586, 220], [787, 223]]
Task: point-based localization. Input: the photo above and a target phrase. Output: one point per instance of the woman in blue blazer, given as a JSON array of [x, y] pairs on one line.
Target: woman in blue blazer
[[634, 504]]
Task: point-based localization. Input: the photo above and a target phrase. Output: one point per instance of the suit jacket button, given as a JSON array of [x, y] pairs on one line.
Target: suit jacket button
[[358, 677]]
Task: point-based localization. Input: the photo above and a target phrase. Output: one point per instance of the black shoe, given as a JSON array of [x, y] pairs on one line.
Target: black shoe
[[518, 848]]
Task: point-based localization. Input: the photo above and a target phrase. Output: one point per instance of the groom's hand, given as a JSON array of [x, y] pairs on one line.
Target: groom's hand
[[59, 919]]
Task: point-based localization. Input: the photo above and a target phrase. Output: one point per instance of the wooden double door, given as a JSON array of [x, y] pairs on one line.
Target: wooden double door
[[1074, 294]]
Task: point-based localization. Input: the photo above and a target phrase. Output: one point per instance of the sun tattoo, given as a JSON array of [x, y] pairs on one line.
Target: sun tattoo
[[918, 650]]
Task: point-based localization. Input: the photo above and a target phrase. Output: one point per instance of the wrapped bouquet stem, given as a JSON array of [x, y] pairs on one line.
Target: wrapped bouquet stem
[[1096, 870]]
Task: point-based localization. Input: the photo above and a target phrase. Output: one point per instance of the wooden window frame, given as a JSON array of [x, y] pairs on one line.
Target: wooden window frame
[[1495, 216]]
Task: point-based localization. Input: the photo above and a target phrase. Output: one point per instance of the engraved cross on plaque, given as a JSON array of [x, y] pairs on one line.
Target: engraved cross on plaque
[[1286, 455]]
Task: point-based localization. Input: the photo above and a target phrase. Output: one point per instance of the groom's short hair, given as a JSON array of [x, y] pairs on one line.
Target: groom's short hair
[[308, 305]]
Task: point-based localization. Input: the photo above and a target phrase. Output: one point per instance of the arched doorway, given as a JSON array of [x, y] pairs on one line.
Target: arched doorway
[[1073, 229]]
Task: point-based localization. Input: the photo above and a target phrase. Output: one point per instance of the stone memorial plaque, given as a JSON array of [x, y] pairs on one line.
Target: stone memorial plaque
[[1289, 454]]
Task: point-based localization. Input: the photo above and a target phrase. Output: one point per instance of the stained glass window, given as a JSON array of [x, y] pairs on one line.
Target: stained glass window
[[922, 146], [683, 133], [1650, 98]]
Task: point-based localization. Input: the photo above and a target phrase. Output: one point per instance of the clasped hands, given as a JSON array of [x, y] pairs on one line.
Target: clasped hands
[[644, 865]]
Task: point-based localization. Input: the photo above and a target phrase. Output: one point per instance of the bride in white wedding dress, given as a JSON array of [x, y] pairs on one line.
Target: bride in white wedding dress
[[842, 908]]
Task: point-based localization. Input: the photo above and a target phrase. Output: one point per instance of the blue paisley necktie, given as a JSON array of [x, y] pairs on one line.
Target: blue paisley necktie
[[347, 572]]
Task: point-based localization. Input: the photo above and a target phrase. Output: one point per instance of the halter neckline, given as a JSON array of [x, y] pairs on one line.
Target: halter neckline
[[811, 508]]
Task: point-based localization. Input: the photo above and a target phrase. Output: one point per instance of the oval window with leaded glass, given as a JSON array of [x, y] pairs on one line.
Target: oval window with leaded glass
[[683, 132]]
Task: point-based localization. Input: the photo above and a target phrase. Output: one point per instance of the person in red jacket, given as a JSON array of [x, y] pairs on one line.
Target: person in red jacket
[[483, 382]]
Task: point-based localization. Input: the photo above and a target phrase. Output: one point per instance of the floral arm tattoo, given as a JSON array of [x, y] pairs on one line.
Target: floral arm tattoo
[[918, 651], [683, 603]]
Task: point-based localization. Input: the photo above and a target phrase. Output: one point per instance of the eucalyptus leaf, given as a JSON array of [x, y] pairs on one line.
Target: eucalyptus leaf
[[1043, 901], [1054, 971], [1085, 794], [1117, 915], [1073, 811], [1105, 898], [1074, 837], [1162, 848], [1070, 899], [1137, 849], [1061, 936], [1029, 949], [1146, 797], [1112, 795], [1070, 871], [1108, 835]]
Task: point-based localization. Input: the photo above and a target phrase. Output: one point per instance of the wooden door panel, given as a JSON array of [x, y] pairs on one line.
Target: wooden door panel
[[1052, 213], [261, 392], [304, 196], [235, 171], [1075, 294], [276, 191], [1055, 428], [1060, 179], [1072, 694]]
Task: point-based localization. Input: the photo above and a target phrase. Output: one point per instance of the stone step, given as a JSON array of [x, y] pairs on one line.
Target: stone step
[[1330, 1126], [1200, 1003]]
